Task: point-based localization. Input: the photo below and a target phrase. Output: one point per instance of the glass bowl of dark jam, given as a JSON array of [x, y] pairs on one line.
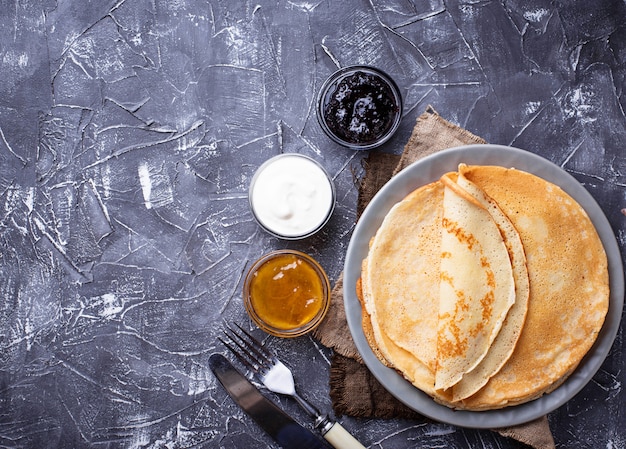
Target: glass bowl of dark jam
[[359, 107]]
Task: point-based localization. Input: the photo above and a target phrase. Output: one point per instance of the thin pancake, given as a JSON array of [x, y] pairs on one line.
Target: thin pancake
[[504, 343], [477, 287], [401, 266], [568, 288], [386, 350], [569, 285]]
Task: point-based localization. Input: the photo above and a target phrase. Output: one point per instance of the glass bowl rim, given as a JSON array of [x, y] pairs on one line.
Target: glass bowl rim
[[309, 233], [343, 72], [304, 328]]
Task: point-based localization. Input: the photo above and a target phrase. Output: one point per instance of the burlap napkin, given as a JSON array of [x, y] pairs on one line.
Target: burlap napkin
[[353, 389]]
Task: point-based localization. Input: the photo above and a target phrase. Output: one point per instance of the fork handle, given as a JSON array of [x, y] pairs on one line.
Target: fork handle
[[340, 438]]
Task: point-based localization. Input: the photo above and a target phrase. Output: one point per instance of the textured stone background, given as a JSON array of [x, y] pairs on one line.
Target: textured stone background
[[129, 131]]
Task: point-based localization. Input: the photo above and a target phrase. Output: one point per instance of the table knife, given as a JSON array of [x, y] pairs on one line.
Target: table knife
[[284, 429]]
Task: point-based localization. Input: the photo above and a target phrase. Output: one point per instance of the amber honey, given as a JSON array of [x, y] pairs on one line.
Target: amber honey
[[286, 293]]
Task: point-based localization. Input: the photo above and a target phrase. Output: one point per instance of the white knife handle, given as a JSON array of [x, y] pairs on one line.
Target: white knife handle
[[340, 438]]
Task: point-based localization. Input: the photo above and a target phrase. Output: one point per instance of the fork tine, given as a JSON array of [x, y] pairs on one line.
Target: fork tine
[[248, 363], [242, 348], [257, 346], [249, 351]]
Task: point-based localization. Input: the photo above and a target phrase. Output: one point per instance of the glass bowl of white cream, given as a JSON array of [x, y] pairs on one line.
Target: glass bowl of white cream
[[291, 196]]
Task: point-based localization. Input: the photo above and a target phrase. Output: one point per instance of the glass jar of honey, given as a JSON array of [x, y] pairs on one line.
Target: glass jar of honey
[[286, 293]]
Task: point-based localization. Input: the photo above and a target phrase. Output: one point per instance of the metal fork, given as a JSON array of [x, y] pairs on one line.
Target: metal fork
[[271, 372]]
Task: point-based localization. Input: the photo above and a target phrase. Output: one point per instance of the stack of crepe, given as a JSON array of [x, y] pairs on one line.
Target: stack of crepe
[[484, 289]]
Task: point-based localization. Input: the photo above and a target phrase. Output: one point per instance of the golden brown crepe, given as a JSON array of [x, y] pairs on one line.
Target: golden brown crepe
[[504, 342], [476, 286], [406, 234], [403, 255], [557, 265]]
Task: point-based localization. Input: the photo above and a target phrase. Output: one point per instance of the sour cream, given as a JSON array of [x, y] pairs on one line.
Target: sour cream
[[291, 196]]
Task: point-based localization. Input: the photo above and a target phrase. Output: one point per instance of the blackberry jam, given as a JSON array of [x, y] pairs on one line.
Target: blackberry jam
[[359, 107]]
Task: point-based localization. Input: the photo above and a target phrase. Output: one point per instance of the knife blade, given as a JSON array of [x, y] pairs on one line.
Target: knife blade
[[280, 426]]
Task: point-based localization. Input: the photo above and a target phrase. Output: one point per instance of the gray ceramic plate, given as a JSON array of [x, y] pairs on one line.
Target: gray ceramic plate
[[430, 169]]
